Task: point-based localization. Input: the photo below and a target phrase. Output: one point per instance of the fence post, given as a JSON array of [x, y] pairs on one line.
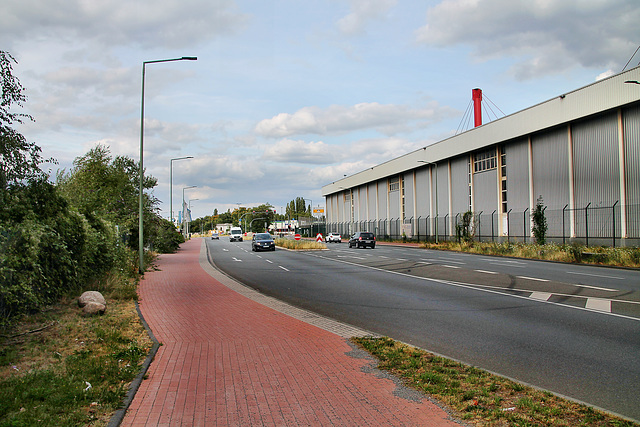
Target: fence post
[[492, 231], [445, 226], [418, 228], [613, 212], [457, 228], [508, 225], [563, 215], [586, 222], [524, 225]]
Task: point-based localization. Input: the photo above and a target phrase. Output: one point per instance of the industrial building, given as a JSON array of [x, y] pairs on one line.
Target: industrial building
[[578, 153]]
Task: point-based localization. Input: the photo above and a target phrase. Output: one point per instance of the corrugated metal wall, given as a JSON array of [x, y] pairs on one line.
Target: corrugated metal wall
[[550, 167], [517, 175], [631, 121], [382, 198], [460, 184], [372, 201], [596, 173], [443, 188], [394, 204], [485, 191], [408, 195], [422, 192]]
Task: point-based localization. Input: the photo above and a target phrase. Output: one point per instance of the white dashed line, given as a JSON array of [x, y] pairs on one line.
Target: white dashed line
[[283, 268], [596, 275], [532, 278], [487, 272], [450, 266], [542, 296]]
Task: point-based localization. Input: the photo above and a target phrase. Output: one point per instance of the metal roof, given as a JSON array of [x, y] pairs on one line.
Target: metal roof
[[603, 95]]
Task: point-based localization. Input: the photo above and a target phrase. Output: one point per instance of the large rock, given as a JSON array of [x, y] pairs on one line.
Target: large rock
[[91, 296], [93, 308]]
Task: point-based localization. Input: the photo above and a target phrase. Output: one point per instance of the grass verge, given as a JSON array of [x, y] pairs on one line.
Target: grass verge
[[621, 257], [478, 397], [300, 244], [59, 368]]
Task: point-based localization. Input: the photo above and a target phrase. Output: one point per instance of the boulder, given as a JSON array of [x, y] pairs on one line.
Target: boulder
[[91, 296], [93, 308]]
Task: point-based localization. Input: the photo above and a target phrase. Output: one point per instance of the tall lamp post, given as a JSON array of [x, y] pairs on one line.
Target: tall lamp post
[[183, 219], [141, 173], [189, 222], [436, 165], [171, 183]]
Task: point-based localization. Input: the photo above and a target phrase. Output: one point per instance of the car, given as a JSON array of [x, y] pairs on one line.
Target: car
[[215, 236], [334, 238], [262, 242], [362, 239]]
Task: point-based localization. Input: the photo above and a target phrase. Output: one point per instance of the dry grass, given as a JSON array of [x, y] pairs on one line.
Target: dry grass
[[478, 397], [621, 257], [44, 374], [300, 244]]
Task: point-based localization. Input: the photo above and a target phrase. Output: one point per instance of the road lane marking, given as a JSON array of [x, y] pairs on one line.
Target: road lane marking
[[599, 304], [487, 272], [507, 265], [542, 296], [596, 288], [532, 278], [401, 259], [455, 261], [450, 266], [283, 268], [596, 275], [269, 261], [236, 259], [484, 288]]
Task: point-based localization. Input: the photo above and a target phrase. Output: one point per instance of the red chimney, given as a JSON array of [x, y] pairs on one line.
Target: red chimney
[[476, 95]]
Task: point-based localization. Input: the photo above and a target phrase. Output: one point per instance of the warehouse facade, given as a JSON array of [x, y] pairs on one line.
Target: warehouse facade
[[578, 154]]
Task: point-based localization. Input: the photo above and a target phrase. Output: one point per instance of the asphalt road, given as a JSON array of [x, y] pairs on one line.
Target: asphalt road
[[573, 330]]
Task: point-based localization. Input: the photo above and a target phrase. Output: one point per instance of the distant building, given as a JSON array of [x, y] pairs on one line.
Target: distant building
[[578, 152]]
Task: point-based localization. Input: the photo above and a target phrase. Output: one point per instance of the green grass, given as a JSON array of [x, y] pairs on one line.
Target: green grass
[[478, 397], [45, 375]]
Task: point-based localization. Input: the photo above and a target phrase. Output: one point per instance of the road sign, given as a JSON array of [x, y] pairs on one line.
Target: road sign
[[319, 238], [297, 237]]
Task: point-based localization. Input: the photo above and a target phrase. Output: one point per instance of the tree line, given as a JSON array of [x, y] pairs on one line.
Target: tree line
[[59, 238]]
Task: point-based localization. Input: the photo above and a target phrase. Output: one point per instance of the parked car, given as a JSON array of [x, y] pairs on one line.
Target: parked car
[[263, 242], [362, 239], [334, 238], [215, 236]]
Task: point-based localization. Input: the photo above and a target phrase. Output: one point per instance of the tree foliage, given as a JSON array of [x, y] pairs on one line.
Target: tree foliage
[[19, 160]]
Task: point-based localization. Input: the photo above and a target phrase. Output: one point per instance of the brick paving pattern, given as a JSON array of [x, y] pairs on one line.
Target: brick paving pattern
[[227, 360]]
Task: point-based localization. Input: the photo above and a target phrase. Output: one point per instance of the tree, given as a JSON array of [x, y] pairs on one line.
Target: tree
[[539, 222], [19, 160]]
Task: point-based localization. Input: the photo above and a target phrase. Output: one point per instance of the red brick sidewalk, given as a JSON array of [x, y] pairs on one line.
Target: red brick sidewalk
[[227, 360]]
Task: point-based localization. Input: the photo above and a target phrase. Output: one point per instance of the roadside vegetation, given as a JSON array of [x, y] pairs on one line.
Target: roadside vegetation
[[621, 257], [58, 239], [299, 244], [478, 397]]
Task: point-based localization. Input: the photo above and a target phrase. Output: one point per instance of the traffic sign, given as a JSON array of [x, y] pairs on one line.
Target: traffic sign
[[297, 237], [319, 238]]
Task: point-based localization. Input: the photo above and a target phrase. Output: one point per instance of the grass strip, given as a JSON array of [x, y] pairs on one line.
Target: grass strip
[[300, 244], [75, 372], [478, 397]]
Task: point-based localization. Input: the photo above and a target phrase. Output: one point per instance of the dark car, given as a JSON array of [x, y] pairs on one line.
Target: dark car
[[362, 239], [263, 242]]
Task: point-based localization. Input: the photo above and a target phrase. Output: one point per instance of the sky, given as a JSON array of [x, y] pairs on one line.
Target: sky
[[289, 95]]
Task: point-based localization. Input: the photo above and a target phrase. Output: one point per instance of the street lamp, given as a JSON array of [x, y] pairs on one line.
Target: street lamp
[[436, 165], [140, 219], [171, 182]]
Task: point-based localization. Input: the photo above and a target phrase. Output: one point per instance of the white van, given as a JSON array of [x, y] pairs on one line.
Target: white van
[[235, 234]]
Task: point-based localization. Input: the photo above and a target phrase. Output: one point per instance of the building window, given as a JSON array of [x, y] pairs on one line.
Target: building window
[[484, 160], [394, 184]]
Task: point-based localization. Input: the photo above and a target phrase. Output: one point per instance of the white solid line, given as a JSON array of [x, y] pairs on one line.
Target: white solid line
[[532, 278], [423, 262], [488, 272], [597, 288], [401, 259], [596, 275], [542, 296], [599, 304], [283, 268]]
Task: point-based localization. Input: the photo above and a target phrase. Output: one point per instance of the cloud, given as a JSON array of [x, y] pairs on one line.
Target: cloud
[[288, 150], [361, 13], [145, 23], [545, 37], [336, 119]]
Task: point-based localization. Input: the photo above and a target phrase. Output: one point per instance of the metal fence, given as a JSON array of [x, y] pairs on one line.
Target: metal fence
[[588, 225]]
